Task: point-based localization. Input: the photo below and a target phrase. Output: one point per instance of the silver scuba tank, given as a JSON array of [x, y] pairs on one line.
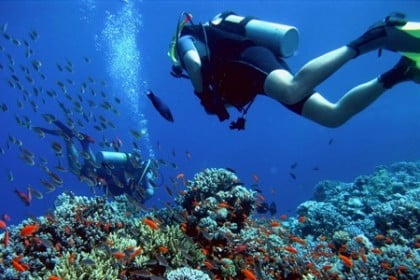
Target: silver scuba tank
[[114, 158], [282, 39]]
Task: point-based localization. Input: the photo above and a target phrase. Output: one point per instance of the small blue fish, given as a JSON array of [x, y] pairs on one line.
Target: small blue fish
[[160, 106]]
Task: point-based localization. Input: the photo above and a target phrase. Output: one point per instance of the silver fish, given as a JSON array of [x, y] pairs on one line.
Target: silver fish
[[48, 185], [35, 193], [10, 175], [28, 160]]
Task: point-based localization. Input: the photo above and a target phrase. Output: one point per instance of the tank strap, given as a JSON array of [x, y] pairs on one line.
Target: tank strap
[[230, 26], [226, 14], [245, 21], [234, 27]]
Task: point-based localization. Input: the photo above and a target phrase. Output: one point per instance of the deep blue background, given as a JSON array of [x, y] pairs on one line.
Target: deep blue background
[[386, 132]]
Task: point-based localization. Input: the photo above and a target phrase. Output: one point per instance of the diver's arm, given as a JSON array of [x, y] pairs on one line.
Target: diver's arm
[[192, 64], [191, 61]]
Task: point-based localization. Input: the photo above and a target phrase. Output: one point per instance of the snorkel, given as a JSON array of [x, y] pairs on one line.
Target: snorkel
[[184, 19]]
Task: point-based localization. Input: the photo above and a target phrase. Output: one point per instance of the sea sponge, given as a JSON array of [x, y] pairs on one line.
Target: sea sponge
[[341, 237], [187, 273]]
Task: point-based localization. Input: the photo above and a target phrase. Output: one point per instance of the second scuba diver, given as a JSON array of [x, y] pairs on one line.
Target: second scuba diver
[[118, 173]]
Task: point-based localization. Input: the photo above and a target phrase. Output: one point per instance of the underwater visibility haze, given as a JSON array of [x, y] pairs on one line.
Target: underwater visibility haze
[[284, 199]]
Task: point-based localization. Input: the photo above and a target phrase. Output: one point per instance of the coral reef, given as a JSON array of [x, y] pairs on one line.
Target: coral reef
[[367, 229]]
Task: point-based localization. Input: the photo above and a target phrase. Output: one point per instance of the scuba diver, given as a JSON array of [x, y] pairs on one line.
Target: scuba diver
[[118, 173], [231, 59]]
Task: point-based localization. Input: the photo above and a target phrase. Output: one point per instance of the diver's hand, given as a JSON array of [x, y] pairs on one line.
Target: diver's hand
[[239, 124]]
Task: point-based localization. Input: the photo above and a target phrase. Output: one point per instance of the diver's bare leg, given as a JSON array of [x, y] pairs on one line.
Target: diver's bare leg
[[320, 110], [288, 89], [88, 150]]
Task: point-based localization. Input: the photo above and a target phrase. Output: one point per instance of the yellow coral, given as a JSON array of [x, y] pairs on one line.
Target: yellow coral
[[94, 265]]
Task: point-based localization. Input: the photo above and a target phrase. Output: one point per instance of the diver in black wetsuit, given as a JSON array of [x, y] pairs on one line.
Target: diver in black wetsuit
[[119, 173], [231, 59]]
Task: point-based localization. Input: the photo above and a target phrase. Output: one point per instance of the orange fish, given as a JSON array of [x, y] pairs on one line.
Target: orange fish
[[163, 249], [19, 266], [376, 251], [152, 224], [388, 240], [402, 268], [53, 277], [136, 252], [240, 248], [346, 260], [291, 249], [256, 179], [302, 219], [327, 267], [385, 265], [224, 204], [359, 239], [275, 224], [298, 240], [180, 176], [2, 224], [72, 258], [249, 275], [118, 255], [379, 237], [29, 230], [208, 265], [283, 217]]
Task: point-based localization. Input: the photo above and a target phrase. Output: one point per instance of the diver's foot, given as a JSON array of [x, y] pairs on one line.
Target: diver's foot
[[377, 36], [66, 131], [405, 70], [88, 138]]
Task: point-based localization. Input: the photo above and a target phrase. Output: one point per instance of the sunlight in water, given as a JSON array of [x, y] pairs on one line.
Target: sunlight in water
[[119, 38]]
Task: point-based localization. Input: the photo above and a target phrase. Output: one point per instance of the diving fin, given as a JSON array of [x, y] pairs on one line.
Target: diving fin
[[404, 39], [413, 51], [405, 70], [393, 33]]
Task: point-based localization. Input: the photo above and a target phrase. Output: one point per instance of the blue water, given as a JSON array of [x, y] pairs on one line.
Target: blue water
[[127, 45]]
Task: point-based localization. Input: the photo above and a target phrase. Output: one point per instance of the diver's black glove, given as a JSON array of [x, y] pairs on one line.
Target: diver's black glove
[[213, 104], [178, 72], [239, 124]]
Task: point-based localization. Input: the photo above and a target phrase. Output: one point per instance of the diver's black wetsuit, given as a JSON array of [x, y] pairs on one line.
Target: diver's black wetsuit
[[235, 66]]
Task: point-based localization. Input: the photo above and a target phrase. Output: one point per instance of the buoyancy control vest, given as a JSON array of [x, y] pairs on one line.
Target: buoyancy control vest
[[234, 33]]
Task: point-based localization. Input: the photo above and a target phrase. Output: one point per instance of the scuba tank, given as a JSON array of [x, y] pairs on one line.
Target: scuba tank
[[114, 158], [282, 39]]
